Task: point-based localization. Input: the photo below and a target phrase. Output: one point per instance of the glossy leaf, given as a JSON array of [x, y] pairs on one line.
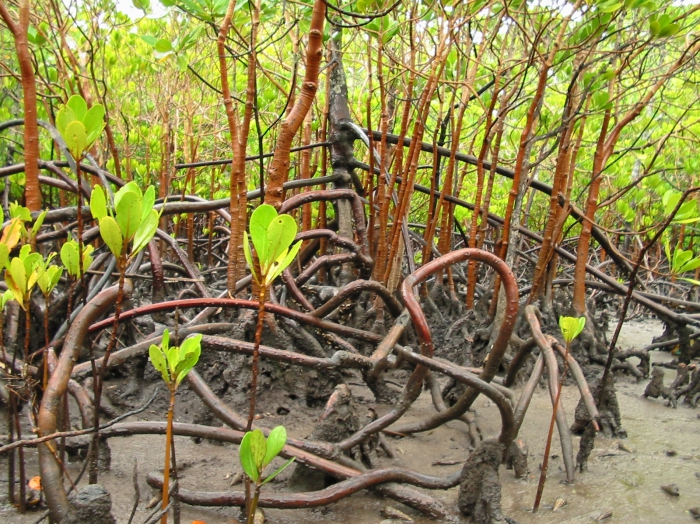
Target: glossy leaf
[[275, 442], [259, 223], [76, 139], [98, 203], [245, 455], [146, 231], [38, 223], [79, 106], [69, 257], [158, 360], [258, 447], [112, 235], [129, 214], [571, 327]]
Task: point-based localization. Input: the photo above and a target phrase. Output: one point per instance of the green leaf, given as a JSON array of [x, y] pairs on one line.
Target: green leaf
[[98, 203], [5, 298], [163, 46], [38, 223], [259, 223], [275, 442], [79, 106], [258, 447], [112, 235], [21, 212], [69, 257], [129, 214], [278, 471], [158, 360], [284, 263], [145, 232], [245, 455], [95, 119], [280, 235], [64, 116], [571, 327], [149, 198], [692, 281], [165, 340], [76, 139], [87, 256]]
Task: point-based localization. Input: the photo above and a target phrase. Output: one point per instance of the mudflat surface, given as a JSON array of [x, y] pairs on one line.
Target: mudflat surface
[[663, 447]]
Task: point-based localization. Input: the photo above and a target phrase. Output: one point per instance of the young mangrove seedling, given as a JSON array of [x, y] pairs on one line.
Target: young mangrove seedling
[[571, 327], [272, 236], [255, 454], [173, 363]]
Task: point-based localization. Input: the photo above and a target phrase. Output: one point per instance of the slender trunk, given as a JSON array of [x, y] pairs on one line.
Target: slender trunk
[[32, 190], [279, 166], [166, 466]]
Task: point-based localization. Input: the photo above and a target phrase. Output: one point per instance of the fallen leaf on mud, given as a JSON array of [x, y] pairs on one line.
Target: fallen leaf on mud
[[559, 503], [606, 514], [447, 462], [153, 502], [394, 514], [624, 447], [672, 490]]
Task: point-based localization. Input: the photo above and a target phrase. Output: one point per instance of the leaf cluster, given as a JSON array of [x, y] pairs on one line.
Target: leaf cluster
[[256, 453], [174, 363]]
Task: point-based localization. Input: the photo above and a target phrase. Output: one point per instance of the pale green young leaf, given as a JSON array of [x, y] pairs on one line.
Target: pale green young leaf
[[158, 360], [64, 116], [5, 298], [69, 257], [21, 212], [691, 281], [112, 235], [275, 442], [258, 447], [571, 327], [146, 231], [38, 223], [149, 198], [286, 261], [79, 106], [98, 203], [87, 256], [690, 265], [129, 214], [172, 355], [19, 274], [76, 139], [280, 235], [245, 455], [165, 341], [94, 119], [278, 471], [259, 223]]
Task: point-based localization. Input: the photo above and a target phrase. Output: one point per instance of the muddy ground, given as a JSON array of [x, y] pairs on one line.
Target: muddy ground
[[663, 447]]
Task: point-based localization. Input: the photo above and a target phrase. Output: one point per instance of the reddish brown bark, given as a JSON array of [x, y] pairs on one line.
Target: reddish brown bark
[[32, 191], [278, 171]]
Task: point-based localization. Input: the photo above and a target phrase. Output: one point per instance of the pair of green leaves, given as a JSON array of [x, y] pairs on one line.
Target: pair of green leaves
[[70, 256], [256, 453], [133, 218], [48, 275], [571, 327], [272, 236], [662, 26], [682, 260], [174, 363], [80, 126]]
